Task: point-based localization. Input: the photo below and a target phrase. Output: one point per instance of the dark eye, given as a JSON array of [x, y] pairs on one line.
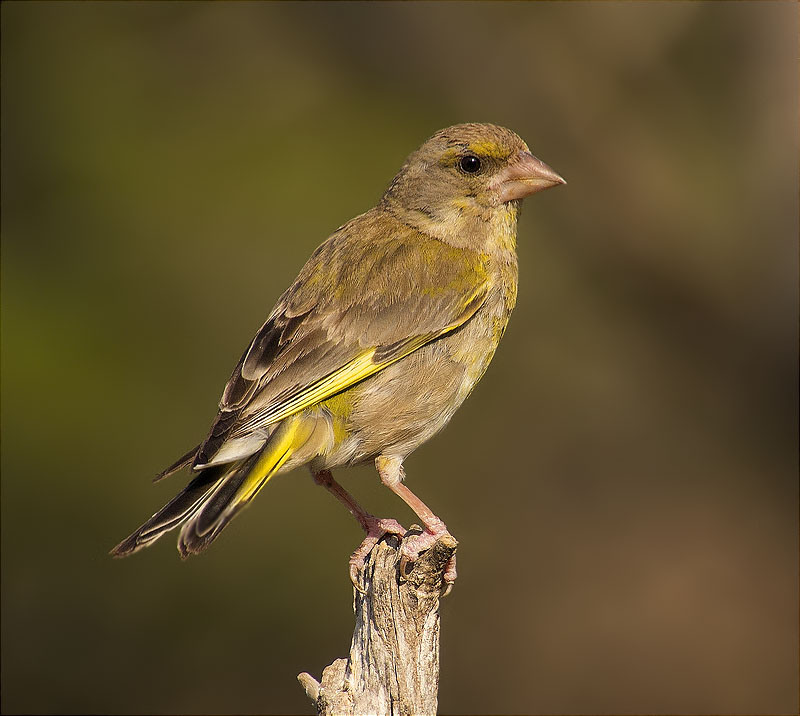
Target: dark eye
[[470, 164]]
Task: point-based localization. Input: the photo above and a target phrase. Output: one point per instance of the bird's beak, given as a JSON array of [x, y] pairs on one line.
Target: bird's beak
[[523, 177]]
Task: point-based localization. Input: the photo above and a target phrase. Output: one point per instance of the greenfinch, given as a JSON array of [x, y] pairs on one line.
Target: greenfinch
[[376, 344]]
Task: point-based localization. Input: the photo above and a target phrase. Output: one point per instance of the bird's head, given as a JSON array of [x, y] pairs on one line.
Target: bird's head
[[465, 176]]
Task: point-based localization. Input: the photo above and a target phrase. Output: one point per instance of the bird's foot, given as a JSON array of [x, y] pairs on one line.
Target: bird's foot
[[376, 529], [415, 544]]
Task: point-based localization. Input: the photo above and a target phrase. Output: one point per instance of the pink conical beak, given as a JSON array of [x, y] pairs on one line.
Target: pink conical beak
[[524, 177]]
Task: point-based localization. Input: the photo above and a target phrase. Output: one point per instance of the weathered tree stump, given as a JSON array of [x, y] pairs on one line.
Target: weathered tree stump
[[393, 667]]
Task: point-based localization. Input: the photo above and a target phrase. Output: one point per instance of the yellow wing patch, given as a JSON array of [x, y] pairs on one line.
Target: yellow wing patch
[[356, 370], [352, 372]]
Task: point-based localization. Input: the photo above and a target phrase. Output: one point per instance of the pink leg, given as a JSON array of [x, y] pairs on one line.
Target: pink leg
[[374, 527], [391, 472]]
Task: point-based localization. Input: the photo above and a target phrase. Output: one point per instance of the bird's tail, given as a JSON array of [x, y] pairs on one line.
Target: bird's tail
[[213, 498]]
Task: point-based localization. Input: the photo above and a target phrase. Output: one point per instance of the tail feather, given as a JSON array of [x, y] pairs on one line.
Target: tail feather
[[179, 464], [214, 497], [240, 488], [182, 506]]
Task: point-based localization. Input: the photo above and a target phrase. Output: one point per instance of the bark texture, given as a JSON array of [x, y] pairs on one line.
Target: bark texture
[[393, 667]]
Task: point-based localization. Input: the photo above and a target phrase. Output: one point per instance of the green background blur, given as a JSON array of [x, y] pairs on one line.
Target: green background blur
[[623, 483]]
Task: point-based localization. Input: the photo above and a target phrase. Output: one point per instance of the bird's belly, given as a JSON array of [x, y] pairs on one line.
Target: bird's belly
[[395, 411]]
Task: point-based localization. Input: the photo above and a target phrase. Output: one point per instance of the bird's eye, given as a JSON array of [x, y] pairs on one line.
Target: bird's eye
[[470, 164]]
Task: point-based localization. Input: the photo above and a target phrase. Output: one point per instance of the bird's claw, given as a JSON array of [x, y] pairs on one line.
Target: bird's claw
[[376, 530], [449, 576], [415, 544]]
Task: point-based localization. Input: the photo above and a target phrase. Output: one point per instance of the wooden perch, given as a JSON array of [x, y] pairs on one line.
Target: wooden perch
[[393, 668]]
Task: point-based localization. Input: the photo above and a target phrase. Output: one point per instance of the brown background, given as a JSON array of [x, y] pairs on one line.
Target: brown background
[[623, 483]]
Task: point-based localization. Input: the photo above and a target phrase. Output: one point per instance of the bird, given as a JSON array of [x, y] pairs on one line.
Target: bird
[[371, 350]]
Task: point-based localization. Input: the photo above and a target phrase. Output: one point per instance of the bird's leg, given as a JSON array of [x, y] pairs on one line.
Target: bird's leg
[[391, 472], [374, 527]]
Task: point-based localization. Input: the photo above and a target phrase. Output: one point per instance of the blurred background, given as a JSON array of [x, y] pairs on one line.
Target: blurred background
[[623, 483]]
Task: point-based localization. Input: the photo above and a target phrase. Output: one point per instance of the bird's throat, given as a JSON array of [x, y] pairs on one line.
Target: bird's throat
[[464, 223]]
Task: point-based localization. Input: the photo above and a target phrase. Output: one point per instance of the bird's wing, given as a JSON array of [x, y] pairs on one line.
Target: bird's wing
[[374, 292]]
